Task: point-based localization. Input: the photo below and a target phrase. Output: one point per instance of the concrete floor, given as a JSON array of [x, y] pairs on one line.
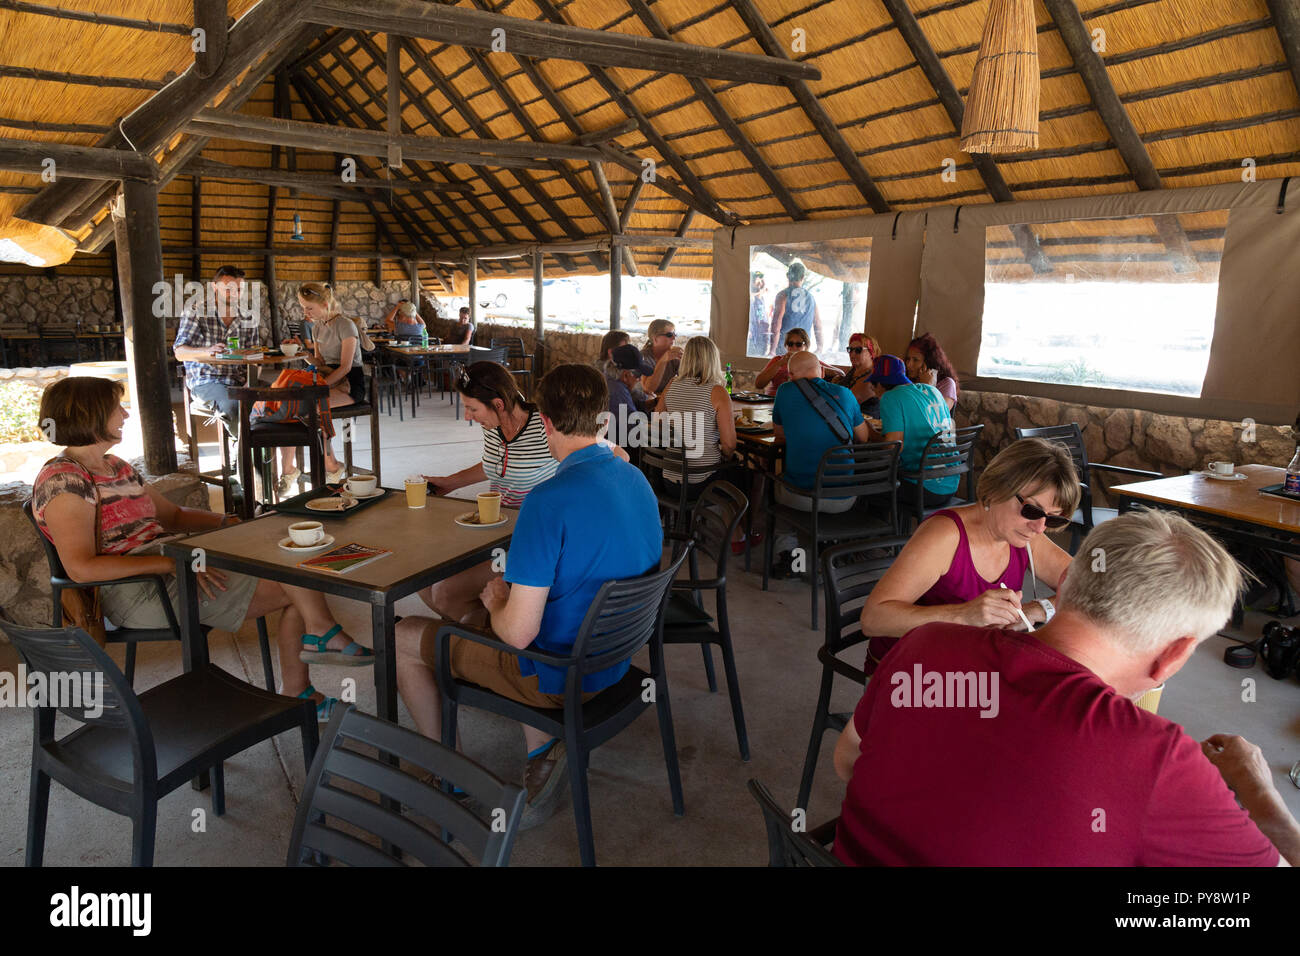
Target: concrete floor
[[631, 808]]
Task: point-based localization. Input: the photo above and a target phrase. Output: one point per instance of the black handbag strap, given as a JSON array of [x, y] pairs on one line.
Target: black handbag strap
[[822, 408]]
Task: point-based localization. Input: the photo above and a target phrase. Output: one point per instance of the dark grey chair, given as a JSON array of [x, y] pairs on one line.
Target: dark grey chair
[[138, 749], [1086, 517], [129, 637], [624, 617], [264, 437], [517, 360], [476, 354], [787, 846], [869, 471], [716, 516], [332, 811], [945, 455], [343, 416], [851, 572], [674, 504]]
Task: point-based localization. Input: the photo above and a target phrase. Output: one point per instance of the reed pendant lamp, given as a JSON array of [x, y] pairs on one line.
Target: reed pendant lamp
[[1002, 106]]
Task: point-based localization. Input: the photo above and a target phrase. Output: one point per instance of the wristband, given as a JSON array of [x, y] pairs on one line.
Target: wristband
[[1049, 611]]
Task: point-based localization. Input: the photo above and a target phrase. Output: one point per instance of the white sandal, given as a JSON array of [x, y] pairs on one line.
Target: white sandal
[[287, 481]]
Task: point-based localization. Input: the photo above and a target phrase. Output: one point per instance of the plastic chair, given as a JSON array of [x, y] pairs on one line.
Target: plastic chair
[[945, 455], [128, 636], [866, 471], [676, 505], [514, 346], [264, 436], [785, 847], [624, 617], [715, 519], [138, 749], [851, 572], [1085, 518], [329, 815]]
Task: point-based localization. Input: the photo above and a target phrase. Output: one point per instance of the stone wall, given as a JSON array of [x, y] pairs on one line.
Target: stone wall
[[24, 572], [561, 347], [1167, 444], [57, 303]]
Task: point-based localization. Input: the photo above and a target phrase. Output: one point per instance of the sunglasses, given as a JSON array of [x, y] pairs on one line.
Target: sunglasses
[[796, 344], [466, 382], [856, 349], [1031, 512], [668, 335]]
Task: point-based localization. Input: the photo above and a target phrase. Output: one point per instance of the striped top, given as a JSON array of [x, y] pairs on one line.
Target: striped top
[[693, 403], [127, 519], [517, 466]]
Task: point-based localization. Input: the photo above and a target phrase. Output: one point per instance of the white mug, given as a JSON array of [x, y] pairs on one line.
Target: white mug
[[1221, 467], [361, 484], [306, 533], [290, 348]]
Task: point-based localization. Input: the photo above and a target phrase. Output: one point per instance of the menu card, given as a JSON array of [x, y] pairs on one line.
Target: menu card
[[343, 559]]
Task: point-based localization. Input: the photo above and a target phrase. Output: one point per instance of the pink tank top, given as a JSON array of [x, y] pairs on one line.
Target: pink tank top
[[959, 584]]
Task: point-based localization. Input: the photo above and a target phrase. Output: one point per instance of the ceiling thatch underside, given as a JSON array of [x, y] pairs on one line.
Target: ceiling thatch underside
[[1205, 85]]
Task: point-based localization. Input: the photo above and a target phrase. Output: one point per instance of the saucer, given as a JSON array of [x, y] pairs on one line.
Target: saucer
[[374, 494], [288, 545], [326, 505], [470, 520], [1235, 476]]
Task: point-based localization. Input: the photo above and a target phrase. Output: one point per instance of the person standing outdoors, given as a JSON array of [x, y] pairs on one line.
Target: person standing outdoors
[[795, 308]]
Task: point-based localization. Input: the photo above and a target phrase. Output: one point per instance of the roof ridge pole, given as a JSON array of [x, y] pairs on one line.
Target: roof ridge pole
[[1078, 41], [946, 90]]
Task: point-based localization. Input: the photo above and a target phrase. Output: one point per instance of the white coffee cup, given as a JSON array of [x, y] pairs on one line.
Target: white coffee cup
[[290, 348], [361, 484], [1224, 468], [306, 533]]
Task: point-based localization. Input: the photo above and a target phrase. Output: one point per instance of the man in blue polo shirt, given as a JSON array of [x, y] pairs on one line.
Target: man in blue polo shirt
[[595, 520]]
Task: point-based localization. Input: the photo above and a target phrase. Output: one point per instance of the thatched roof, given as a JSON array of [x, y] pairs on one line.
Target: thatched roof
[[1204, 86]]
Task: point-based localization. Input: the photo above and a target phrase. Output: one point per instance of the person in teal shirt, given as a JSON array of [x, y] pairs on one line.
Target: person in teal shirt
[[912, 413]]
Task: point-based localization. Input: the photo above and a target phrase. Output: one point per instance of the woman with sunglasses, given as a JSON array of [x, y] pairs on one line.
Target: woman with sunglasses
[[515, 460], [863, 350], [662, 351], [777, 371], [967, 565]]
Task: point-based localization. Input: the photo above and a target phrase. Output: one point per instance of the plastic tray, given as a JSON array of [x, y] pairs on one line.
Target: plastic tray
[[297, 505]]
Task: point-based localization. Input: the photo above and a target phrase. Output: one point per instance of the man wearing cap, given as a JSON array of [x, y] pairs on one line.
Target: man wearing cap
[[912, 412], [625, 369], [806, 430], [795, 308]]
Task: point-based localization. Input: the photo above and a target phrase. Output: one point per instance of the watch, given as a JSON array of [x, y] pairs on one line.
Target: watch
[[1049, 610]]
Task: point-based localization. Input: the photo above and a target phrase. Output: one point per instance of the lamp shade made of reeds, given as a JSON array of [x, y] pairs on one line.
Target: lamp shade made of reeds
[[1002, 106]]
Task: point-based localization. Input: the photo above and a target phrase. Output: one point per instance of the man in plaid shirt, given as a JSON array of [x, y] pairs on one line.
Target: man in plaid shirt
[[201, 335]]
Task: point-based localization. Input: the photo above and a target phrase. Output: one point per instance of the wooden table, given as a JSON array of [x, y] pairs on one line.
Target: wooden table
[[427, 547], [1233, 509], [253, 365], [409, 354]]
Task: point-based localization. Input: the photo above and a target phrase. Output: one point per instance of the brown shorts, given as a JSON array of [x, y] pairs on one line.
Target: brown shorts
[[488, 667]]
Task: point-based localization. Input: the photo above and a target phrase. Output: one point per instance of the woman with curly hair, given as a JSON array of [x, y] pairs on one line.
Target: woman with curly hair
[[927, 364]]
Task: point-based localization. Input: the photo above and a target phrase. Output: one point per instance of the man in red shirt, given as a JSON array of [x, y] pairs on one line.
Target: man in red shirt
[[983, 747]]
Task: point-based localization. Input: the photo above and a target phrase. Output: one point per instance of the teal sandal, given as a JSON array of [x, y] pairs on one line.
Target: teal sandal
[[315, 652], [325, 709]]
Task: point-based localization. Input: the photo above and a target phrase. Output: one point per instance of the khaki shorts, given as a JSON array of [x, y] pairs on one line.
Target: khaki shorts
[[136, 604], [496, 670]]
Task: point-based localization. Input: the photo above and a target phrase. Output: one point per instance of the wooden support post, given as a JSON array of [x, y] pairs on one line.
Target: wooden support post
[[539, 317], [140, 267], [394, 99], [615, 287], [334, 243], [413, 269], [473, 291], [196, 232]]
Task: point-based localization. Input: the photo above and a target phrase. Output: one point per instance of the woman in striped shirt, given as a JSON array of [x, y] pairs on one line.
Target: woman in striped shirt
[[516, 458]]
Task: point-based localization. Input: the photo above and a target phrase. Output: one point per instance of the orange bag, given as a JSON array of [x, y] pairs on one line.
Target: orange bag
[[293, 410]]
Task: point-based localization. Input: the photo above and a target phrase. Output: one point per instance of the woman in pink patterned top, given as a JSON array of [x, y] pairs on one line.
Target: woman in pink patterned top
[[967, 565], [134, 520]]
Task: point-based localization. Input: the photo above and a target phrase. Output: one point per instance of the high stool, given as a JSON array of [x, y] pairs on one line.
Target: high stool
[[265, 436]]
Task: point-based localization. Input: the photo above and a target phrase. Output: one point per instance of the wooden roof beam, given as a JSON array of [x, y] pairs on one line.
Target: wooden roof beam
[[474, 152], [321, 184], [814, 110], [212, 17], [946, 90], [475, 28], [265, 27], [1286, 20], [1123, 133], [728, 125], [364, 86], [76, 162], [680, 233]]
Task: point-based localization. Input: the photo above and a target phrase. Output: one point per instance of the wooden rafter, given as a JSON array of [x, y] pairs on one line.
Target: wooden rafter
[[475, 28], [681, 232], [946, 90], [725, 123], [328, 185], [1286, 20], [813, 109], [77, 162], [1078, 41]]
